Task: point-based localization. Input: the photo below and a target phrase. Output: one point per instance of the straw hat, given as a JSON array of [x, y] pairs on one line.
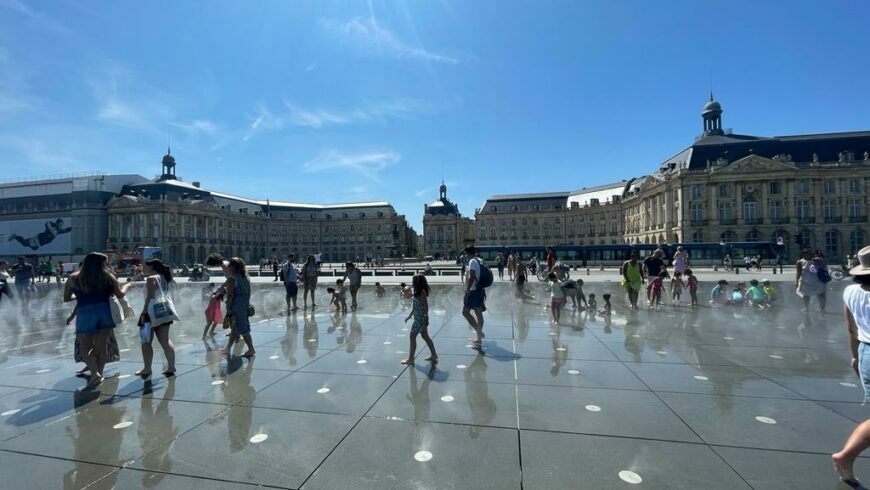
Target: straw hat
[[863, 267]]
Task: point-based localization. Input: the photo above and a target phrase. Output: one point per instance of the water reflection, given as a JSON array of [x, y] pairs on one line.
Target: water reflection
[[155, 427], [483, 407]]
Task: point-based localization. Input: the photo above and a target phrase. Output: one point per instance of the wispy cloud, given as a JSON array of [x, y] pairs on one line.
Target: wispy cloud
[[123, 99], [197, 126], [35, 16], [403, 108], [16, 93], [421, 193], [39, 153], [367, 164], [311, 67], [262, 120], [371, 39]]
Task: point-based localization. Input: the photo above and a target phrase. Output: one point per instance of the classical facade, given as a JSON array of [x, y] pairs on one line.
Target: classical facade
[[445, 231], [803, 191], [79, 201], [586, 216], [188, 222]]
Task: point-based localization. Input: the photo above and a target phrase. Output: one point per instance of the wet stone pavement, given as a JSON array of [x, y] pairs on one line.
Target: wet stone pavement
[[677, 398]]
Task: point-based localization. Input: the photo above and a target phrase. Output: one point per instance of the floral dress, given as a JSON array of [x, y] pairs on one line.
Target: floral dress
[[419, 324]]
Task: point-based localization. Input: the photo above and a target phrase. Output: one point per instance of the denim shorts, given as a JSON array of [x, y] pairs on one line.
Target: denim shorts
[[864, 368], [475, 299], [292, 289], [95, 317]]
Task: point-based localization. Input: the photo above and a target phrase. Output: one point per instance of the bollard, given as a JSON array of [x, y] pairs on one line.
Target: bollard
[[774, 271], [601, 268], [587, 271], [715, 268], [737, 270]]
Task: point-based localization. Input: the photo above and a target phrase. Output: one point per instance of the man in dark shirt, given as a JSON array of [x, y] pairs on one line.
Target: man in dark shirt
[[653, 266], [23, 274]]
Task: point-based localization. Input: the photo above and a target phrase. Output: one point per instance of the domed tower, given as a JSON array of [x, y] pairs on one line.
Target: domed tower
[[442, 192], [712, 114], [168, 166]]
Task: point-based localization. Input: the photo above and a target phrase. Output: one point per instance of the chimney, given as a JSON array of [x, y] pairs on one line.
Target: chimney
[[196, 184]]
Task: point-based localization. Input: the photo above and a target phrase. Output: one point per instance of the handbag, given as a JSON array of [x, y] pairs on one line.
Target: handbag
[[824, 275], [161, 309], [117, 310]]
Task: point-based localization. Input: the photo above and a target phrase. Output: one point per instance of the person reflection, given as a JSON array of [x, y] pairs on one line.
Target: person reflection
[[288, 342], [633, 339], [310, 335], [93, 437], [419, 398], [236, 387], [354, 337], [155, 427], [522, 323], [560, 355], [483, 408]]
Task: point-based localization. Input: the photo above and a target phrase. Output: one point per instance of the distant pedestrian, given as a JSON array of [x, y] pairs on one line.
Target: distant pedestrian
[[317, 260], [420, 314], [681, 260], [309, 281], [632, 279], [475, 296], [808, 281], [857, 310], [353, 280], [499, 264], [238, 287], [291, 279], [24, 282], [275, 269], [512, 265]]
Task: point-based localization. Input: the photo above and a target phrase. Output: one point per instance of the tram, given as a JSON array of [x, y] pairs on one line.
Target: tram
[[702, 254]]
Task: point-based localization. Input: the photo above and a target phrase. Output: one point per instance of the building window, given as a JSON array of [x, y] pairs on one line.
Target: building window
[[724, 190], [724, 211], [805, 237], [803, 209], [697, 192], [829, 208], [855, 208], [776, 187], [832, 244], [854, 186], [753, 236], [696, 212], [776, 209], [726, 236], [803, 187], [856, 240], [698, 237], [830, 187], [749, 211]]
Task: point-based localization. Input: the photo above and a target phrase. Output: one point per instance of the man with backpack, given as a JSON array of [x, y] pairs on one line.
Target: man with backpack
[[290, 277], [479, 278]]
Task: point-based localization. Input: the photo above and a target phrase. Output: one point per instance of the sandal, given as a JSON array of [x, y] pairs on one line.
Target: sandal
[[143, 374]]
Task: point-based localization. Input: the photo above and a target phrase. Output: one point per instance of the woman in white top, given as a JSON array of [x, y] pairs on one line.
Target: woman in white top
[[158, 277], [856, 299]]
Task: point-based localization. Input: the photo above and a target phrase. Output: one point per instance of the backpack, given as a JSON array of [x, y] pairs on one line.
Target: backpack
[[824, 275], [485, 279]]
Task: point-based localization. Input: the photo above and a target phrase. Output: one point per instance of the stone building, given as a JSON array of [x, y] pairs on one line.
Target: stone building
[[79, 201], [581, 217], [188, 222], [802, 191], [445, 231]]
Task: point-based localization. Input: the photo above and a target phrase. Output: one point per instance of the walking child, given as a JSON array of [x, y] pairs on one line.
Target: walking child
[[557, 297], [607, 310], [655, 288], [213, 314], [769, 291], [692, 283], [677, 287], [420, 314]]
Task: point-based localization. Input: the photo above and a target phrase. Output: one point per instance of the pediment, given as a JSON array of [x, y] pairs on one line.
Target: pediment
[[755, 164], [123, 202]]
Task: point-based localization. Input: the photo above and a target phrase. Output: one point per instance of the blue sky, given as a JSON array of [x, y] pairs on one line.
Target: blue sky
[[341, 101]]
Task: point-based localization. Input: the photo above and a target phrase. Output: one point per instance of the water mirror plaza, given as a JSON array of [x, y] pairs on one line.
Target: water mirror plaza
[[714, 397]]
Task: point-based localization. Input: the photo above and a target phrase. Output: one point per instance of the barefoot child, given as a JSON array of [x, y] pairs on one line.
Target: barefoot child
[[693, 287], [654, 290], [591, 303], [213, 315], [769, 291], [756, 295], [719, 293], [557, 297], [405, 291], [379, 290], [420, 314], [677, 287], [607, 308]]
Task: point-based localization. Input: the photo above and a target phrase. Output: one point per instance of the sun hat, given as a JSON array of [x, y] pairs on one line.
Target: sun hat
[[863, 267]]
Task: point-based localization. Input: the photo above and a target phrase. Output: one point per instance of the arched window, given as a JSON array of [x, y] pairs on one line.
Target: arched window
[[726, 236], [857, 241], [698, 237], [753, 236]]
